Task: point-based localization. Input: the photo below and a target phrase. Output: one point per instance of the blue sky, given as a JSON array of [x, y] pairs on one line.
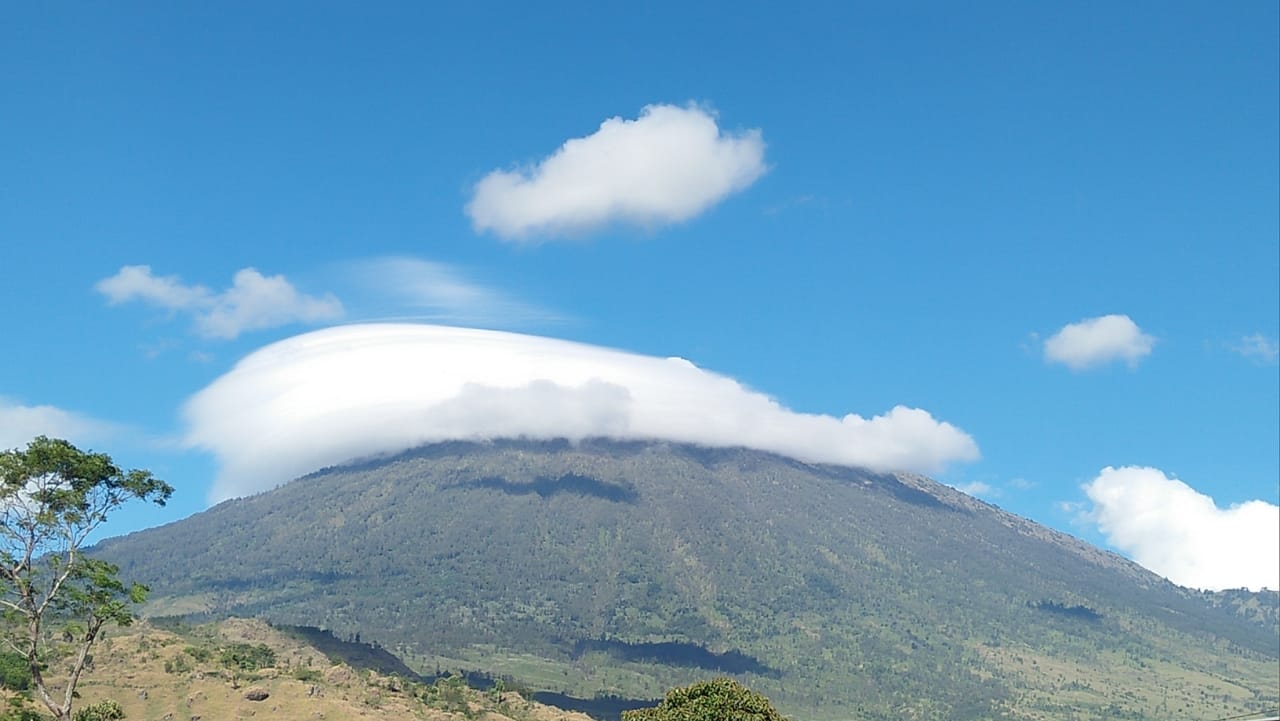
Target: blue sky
[[898, 205]]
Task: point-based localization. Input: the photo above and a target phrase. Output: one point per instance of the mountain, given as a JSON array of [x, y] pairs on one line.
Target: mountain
[[626, 568]]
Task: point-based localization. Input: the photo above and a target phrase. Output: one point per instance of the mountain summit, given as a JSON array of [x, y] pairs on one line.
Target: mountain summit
[[625, 568]]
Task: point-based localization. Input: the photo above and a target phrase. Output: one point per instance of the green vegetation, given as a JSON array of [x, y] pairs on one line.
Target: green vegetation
[[15, 673], [56, 600], [101, 711], [247, 657], [721, 699], [625, 569], [18, 708]]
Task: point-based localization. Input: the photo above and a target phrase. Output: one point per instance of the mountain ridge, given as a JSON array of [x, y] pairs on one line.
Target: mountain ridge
[[841, 591]]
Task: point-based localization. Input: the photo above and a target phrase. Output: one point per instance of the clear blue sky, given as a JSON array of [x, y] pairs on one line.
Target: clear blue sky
[[945, 187]]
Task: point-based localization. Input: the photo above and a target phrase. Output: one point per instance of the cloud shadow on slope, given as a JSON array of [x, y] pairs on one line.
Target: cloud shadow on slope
[[547, 486]]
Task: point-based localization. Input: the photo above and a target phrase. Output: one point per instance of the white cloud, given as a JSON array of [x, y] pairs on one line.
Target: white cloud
[[1259, 348], [253, 301], [977, 488], [1180, 533], [439, 292], [324, 397], [21, 423], [135, 282], [666, 166], [1097, 341]]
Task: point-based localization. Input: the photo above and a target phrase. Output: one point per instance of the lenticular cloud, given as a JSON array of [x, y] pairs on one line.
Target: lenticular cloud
[[332, 395]]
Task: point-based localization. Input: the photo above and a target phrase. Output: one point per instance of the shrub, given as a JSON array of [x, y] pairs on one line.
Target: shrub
[[104, 711], [245, 657], [179, 664], [17, 709], [15, 674], [721, 699]]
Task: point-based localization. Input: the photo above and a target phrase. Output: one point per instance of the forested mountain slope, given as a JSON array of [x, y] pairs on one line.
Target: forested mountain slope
[[629, 568]]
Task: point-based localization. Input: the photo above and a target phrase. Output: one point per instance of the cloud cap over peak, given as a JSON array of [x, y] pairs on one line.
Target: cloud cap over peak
[[666, 166], [328, 396]]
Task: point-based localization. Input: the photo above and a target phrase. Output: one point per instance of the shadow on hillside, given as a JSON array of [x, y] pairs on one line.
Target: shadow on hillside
[[1080, 613], [887, 483], [677, 653], [360, 655], [602, 708], [353, 653], [546, 487]]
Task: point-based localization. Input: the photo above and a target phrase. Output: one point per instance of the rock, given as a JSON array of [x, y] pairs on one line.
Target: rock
[[338, 674], [257, 694]]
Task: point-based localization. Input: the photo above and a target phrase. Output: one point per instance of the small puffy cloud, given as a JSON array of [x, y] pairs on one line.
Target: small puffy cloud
[[331, 395], [136, 282], [20, 423], [1180, 533], [438, 292], [1097, 341], [666, 166], [253, 302], [977, 488], [1259, 348]]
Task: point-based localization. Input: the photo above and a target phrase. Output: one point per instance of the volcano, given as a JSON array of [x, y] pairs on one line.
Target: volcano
[[608, 568]]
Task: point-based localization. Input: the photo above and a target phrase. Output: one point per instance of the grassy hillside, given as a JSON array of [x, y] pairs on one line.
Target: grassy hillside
[[627, 569], [220, 672]]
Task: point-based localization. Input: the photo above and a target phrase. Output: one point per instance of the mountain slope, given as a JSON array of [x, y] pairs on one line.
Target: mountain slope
[[628, 568], [183, 672]]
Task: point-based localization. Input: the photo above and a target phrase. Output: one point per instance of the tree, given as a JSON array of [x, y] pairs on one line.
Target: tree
[[720, 699], [55, 600]]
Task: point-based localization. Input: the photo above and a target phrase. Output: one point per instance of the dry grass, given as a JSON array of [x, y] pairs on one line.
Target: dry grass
[[158, 675]]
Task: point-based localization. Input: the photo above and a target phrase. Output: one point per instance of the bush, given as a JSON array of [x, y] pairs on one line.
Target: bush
[[245, 657], [179, 664], [721, 699], [104, 711], [15, 674], [17, 709]]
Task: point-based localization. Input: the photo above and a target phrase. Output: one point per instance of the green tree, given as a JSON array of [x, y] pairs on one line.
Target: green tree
[[56, 600], [720, 699], [15, 675], [247, 657]]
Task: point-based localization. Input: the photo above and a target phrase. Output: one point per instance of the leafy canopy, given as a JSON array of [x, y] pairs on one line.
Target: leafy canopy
[[720, 699], [53, 496]]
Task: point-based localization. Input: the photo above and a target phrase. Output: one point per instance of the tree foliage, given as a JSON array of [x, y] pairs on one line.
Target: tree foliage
[[15, 675], [720, 699], [56, 600], [247, 657]]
